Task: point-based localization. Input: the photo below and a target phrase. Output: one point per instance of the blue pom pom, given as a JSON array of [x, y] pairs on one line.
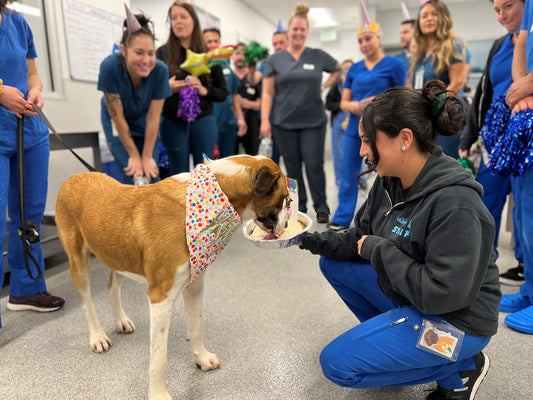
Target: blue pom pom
[[508, 139]]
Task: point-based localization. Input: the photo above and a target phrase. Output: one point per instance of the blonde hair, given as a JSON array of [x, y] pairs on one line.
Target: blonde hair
[[300, 11], [446, 50]]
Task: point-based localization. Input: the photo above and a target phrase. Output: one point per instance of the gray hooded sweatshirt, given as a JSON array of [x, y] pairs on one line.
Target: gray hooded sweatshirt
[[431, 245]]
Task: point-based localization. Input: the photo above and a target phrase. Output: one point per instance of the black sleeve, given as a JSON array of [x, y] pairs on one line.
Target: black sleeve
[[217, 91], [333, 99], [470, 131], [341, 246]]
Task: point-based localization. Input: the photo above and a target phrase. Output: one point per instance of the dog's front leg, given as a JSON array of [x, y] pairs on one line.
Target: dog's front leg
[[192, 297], [159, 324]]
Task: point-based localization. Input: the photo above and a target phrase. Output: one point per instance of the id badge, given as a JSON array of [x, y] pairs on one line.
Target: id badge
[[419, 78], [440, 338]]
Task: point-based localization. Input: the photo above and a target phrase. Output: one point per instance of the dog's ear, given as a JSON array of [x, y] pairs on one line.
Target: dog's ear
[[266, 182]]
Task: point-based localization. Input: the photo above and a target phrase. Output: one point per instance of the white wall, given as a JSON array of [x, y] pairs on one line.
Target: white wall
[[237, 19]]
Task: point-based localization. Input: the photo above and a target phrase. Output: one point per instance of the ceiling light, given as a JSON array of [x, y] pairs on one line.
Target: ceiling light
[[25, 9], [322, 17]]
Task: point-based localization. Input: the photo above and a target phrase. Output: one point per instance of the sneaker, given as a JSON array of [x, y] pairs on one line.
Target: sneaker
[[471, 380], [333, 226], [522, 320], [42, 302], [514, 302], [322, 218], [513, 276]]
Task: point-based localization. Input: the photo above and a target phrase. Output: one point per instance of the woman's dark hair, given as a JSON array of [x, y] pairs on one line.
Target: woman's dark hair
[[3, 5], [173, 43], [433, 110], [147, 28]]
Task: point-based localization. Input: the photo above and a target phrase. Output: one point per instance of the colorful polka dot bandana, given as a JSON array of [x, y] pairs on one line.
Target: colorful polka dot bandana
[[210, 219]]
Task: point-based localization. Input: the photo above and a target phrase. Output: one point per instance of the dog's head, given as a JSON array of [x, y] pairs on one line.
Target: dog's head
[[268, 203], [257, 189]]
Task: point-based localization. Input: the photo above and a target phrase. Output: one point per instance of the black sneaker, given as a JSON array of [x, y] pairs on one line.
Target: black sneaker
[[42, 302], [333, 226], [513, 276], [471, 379], [322, 218]]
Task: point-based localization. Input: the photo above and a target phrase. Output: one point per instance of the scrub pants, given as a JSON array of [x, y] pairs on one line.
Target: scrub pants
[[118, 150], [495, 191], [349, 189], [36, 185], [522, 187], [180, 140], [376, 353], [337, 144], [305, 146]]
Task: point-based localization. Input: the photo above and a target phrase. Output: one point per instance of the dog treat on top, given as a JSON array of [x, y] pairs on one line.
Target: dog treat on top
[[293, 228]]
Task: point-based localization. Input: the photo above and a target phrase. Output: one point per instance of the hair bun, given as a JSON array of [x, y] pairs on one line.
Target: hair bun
[[301, 9]]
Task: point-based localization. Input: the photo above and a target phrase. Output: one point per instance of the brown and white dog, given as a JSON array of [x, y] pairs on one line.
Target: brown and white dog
[[139, 232]]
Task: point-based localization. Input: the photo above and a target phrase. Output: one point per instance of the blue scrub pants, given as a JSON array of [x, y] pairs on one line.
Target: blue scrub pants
[[349, 189], [119, 151], [36, 185], [180, 140], [495, 191], [376, 354], [522, 187], [337, 144], [305, 146]]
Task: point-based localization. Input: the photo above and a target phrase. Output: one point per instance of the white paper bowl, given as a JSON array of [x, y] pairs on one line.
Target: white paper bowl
[[282, 243]]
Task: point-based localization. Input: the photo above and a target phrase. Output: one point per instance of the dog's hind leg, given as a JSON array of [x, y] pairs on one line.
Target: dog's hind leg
[[192, 297], [80, 268], [122, 322]]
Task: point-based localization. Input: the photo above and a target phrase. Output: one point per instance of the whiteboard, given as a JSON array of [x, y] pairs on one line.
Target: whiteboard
[[90, 35]]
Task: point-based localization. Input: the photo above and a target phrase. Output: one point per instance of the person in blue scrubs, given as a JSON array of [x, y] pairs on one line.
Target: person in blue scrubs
[[520, 97], [135, 86], [228, 113], [365, 79], [20, 87], [417, 269], [439, 54], [407, 33], [492, 86]]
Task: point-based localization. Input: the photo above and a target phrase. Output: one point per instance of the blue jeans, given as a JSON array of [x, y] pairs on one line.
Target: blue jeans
[[349, 189], [36, 186], [305, 146], [376, 354], [181, 139], [227, 138]]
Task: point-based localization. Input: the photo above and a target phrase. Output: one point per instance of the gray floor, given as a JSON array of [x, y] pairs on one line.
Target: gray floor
[[268, 314]]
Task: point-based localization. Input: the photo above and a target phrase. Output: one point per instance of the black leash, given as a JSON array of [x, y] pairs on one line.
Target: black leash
[[52, 129], [28, 230]]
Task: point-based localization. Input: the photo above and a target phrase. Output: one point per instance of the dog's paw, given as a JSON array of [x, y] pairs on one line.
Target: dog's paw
[[100, 343], [125, 325], [207, 361], [161, 396]]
